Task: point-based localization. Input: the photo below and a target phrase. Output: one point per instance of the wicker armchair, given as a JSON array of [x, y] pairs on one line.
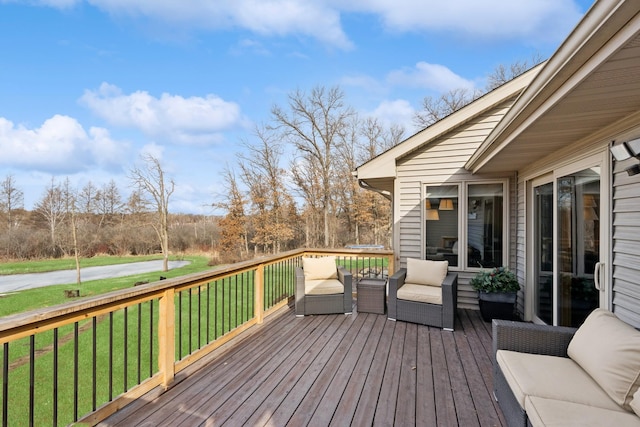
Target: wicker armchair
[[525, 338], [319, 301], [432, 314]]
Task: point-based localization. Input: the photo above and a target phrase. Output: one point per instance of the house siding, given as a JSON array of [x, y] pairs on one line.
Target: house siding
[[439, 162], [626, 246]]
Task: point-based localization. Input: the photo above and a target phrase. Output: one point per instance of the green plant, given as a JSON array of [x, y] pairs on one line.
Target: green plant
[[498, 279]]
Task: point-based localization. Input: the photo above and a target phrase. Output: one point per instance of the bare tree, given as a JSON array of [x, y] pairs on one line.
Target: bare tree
[[314, 125], [53, 209], [263, 175], [11, 199], [503, 73], [437, 108], [150, 180]]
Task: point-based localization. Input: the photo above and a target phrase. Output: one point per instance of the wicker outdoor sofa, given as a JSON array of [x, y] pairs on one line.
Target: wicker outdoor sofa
[[550, 375]]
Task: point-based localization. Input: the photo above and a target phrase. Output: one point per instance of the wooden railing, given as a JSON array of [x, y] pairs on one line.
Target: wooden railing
[[85, 360]]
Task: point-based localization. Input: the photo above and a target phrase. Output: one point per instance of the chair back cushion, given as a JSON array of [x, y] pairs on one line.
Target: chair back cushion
[[609, 350], [426, 272], [319, 268]]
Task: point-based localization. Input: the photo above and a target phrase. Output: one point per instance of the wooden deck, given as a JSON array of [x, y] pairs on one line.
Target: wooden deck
[[334, 370]]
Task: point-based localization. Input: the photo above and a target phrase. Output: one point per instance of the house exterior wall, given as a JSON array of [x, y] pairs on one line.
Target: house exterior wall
[[626, 240], [440, 162], [623, 229]]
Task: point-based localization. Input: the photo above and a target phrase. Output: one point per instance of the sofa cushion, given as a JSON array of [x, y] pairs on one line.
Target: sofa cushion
[[609, 350], [323, 287], [319, 268], [635, 403], [420, 293], [551, 377], [550, 412], [426, 272]]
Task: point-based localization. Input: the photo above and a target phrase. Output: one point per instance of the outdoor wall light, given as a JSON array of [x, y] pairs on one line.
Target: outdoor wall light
[[625, 151]]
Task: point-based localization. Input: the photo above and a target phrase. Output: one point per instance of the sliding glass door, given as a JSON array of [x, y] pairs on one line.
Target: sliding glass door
[[567, 246], [578, 245]]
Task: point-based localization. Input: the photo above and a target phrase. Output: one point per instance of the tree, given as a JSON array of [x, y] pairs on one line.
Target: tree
[[315, 124], [233, 226], [502, 74], [52, 208], [11, 199], [437, 108], [149, 179], [263, 175]]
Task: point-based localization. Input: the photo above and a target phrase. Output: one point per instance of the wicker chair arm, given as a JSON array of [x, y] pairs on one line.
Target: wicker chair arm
[[531, 338], [346, 278]]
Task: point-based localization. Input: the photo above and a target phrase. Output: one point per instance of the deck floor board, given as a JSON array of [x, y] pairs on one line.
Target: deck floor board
[[334, 370]]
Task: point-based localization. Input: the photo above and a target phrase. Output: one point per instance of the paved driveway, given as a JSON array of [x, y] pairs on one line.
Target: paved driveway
[[18, 282]]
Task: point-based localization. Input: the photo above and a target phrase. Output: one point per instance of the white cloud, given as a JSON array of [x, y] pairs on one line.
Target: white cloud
[[534, 20], [193, 120], [60, 145], [396, 112], [434, 77], [269, 18]]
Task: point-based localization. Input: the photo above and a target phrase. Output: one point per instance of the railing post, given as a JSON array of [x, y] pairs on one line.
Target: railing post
[[166, 337], [391, 266], [259, 294]]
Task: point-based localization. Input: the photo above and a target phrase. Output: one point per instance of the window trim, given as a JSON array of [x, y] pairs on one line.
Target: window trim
[[463, 210]]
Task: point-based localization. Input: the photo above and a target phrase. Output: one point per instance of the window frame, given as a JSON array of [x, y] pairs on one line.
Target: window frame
[[463, 215]]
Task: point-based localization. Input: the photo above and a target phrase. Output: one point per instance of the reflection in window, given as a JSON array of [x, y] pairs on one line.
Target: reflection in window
[[441, 215], [485, 225]]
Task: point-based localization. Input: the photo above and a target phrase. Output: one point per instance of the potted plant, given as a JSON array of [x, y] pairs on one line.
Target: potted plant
[[497, 293]]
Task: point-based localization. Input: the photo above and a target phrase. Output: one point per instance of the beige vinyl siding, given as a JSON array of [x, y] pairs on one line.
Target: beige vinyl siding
[[439, 162], [626, 246], [517, 260]]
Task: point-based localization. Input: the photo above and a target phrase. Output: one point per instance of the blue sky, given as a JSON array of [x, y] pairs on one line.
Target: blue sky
[[87, 86]]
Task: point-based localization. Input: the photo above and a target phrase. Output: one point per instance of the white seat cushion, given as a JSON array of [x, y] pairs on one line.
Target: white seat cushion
[[420, 293], [549, 412], [551, 377], [426, 272], [319, 268], [323, 287], [609, 350]]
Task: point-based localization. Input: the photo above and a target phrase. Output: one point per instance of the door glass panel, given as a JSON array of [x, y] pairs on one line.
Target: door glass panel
[[578, 245], [441, 214], [484, 225], [543, 240]]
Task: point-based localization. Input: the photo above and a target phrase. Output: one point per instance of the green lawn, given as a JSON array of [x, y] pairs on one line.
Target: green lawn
[[202, 314], [41, 266], [46, 296]]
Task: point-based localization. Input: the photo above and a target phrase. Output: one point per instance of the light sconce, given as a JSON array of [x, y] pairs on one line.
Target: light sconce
[[432, 215], [626, 150], [446, 205]]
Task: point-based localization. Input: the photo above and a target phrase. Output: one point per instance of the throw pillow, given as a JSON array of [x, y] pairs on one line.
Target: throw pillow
[[426, 272], [319, 268], [609, 351]]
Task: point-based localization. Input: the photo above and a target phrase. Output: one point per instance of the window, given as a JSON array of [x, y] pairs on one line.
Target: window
[[480, 228], [441, 215], [485, 225]]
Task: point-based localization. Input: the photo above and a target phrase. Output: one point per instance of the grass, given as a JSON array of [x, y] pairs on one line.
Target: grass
[[42, 266], [31, 299], [202, 314]]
